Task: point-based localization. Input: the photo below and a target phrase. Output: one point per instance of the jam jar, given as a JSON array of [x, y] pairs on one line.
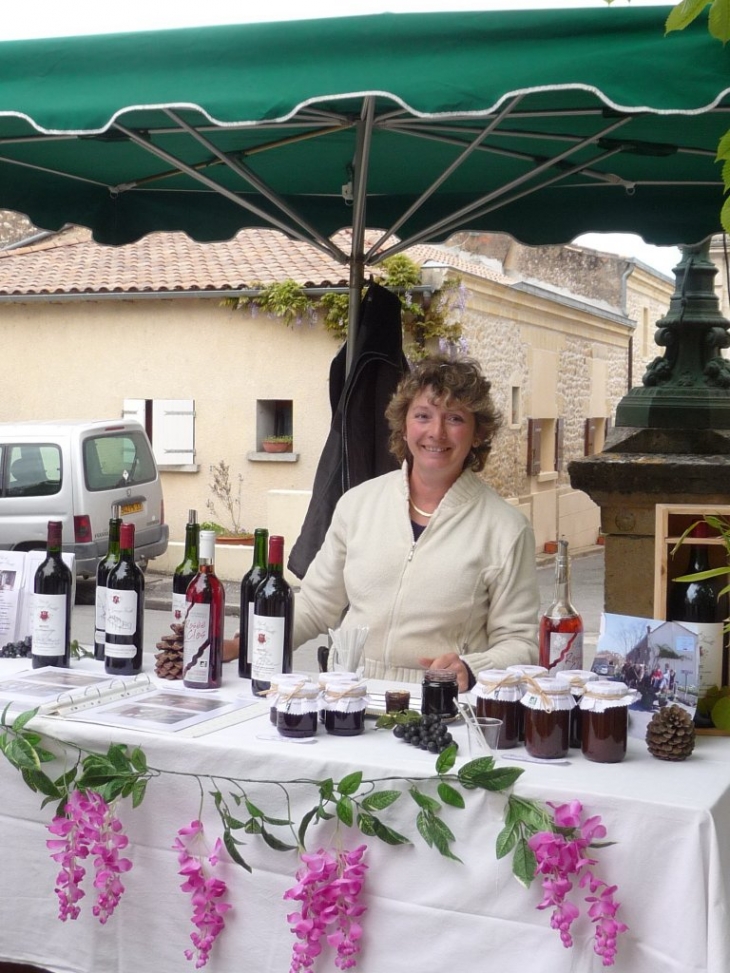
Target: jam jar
[[438, 693], [525, 672], [605, 713], [547, 705], [285, 680], [576, 679], [333, 678], [344, 708], [297, 707], [498, 695]]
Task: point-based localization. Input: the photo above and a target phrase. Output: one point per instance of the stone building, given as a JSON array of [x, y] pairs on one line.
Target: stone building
[[95, 332]]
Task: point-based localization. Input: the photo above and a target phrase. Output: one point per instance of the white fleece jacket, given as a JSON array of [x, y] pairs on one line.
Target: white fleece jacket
[[467, 585]]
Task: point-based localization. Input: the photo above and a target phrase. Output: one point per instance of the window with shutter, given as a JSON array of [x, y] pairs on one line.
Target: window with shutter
[[173, 431]]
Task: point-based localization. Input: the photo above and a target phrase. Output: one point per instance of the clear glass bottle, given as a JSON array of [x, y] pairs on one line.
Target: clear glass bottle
[[205, 601], [187, 569], [273, 622], [52, 589], [124, 611], [561, 627], [250, 582], [102, 573]]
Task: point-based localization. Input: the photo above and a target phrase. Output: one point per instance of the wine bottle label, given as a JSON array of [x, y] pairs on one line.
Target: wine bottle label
[[115, 650], [249, 635], [49, 624], [121, 611], [267, 652], [179, 608], [566, 650], [196, 644], [100, 612]]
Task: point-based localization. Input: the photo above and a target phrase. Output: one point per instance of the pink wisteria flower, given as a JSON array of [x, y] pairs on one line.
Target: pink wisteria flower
[[561, 855], [206, 892], [88, 827], [329, 887]]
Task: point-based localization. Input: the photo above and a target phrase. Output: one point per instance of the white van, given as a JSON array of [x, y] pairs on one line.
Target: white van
[[74, 472]]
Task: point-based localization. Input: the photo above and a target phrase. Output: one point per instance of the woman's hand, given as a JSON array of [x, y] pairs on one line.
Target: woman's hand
[[453, 662]]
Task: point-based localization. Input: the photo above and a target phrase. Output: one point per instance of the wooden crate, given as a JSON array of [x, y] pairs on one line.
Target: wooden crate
[[672, 519]]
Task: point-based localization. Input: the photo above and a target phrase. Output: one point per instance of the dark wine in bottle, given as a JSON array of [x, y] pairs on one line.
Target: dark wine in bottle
[[204, 622], [251, 580], [561, 627], [699, 605], [52, 589], [187, 569], [102, 573], [124, 611], [273, 622]]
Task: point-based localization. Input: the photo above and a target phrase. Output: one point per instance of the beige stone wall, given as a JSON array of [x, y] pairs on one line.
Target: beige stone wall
[[80, 360]]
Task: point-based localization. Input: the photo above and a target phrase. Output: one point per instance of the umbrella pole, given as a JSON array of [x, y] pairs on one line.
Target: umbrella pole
[[359, 198]]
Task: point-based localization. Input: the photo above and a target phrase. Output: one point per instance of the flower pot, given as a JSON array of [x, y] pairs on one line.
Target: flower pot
[[269, 447]]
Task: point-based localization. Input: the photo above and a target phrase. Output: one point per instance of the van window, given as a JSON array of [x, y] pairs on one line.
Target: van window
[[117, 460], [32, 470]]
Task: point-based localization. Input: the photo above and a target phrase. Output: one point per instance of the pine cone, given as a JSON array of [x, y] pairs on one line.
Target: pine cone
[[169, 660], [670, 734]]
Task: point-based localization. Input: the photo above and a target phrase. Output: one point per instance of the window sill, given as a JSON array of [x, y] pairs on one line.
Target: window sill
[[178, 467], [261, 457], [547, 477]]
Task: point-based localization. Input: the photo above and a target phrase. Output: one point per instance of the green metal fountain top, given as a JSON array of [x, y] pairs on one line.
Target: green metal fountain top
[[689, 386]]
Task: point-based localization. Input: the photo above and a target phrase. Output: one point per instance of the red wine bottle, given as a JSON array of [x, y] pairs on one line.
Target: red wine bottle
[[273, 622], [52, 588], [187, 569], [205, 609], [699, 604], [102, 573], [561, 627], [124, 611], [251, 580]]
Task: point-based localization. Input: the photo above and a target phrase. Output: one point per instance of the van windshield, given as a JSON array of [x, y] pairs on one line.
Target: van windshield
[[117, 460]]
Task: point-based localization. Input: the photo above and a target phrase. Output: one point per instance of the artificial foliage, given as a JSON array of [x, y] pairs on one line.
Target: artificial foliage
[[329, 892]]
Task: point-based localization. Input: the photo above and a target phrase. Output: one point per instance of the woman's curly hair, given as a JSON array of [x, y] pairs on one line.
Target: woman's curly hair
[[451, 381]]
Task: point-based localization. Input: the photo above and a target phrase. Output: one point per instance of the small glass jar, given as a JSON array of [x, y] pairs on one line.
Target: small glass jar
[[525, 672], [285, 680], [397, 700], [297, 707], [439, 692], [547, 705], [498, 695], [344, 708], [605, 712], [576, 679], [332, 679]]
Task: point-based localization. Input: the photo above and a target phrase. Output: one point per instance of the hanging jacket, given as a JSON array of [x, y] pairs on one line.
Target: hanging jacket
[[357, 445]]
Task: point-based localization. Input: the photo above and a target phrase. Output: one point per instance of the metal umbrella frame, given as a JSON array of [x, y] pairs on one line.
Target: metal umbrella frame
[[541, 124]]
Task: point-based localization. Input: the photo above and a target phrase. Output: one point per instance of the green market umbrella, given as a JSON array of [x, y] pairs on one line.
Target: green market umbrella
[[542, 124]]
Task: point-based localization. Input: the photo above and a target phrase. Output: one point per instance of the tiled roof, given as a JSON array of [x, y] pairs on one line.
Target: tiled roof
[[70, 262]]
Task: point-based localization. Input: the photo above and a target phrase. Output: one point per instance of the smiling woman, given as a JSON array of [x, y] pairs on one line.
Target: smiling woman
[[440, 568]]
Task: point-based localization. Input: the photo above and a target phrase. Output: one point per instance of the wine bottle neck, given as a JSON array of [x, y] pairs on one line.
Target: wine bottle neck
[[114, 526], [260, 545], [276, 555], [55, 537], [192, 536]]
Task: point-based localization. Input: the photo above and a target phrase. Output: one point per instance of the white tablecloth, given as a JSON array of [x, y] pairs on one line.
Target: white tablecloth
[[671, 862]]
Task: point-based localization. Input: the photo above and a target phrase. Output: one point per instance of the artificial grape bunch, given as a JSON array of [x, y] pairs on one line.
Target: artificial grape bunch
[[17, 650], [426, 733]]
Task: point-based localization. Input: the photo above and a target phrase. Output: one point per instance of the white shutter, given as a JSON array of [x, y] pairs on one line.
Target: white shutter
[[173, 431], [135, 409]]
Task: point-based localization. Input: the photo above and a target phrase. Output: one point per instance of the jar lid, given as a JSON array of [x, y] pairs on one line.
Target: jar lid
[[607, 688], [440, 675], [528, 670], [325, 678], [304, 690], [498, 677], [576, 678], [344, 690]]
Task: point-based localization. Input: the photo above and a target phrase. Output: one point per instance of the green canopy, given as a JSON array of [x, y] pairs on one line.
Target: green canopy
[[543, 124]]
